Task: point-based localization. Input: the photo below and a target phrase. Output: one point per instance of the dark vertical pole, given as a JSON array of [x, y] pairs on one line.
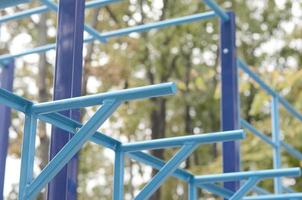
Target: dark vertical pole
[[67, 83], [230, 98], [6, 82]]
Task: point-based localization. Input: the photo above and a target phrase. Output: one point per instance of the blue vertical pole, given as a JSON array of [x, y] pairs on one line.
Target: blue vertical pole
[[229, 98], [192, 191], [118, 182], [276, 140], [6, 82], [67, 83]]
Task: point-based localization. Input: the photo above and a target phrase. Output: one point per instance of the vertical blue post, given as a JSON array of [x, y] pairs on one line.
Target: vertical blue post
[[229, 99], [192, 191], [6, 82], [276, 140], [118, 182], [27, 153], [67, 83]]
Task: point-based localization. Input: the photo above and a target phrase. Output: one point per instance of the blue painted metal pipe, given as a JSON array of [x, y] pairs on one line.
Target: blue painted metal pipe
[[9, 3], [71, 148], [291, 150], [67, 83], [121, 32], [230, 105], [263, 174], [43, 9], [181, 140], [276, 139], [166, 171], [97, 99], [27, 155], [14, 101], [88, 29], [243, 66], [6, 81], [118, 182], [251, 128], [218, 10], [248, 185], [292, 196]]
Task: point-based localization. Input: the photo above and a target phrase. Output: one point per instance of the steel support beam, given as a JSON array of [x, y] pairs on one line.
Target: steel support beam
[[229, 99], [6, 82], [68, 79], [276, 139]]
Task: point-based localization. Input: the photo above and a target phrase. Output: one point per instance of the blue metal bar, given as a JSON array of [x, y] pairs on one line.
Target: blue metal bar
[[218, 10], [88, 29], [97, 99], [276, 139], [229, 96], [192, 191], [14, 101], [44, 8], [165, 171], [251, 128], [263, 174], [125, 31], [118, 187], [181, 140], [22, 14], [27, 155], [72, 147], [291, 196], [160, 24], [6, 81], [291, 150], [67, 83], [8, 3], [245, 188], [243, 66]]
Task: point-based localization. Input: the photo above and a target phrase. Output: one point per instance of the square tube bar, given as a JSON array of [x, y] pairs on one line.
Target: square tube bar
[[120, 32], [87, 28], [292, 196], [276, 139], [8, 3], [44, 8], [244, 67], [251, 128], [67, 84], [27, 154], [217, 9], [245, 188], [118, 182], [229, 101], [71, 148], [182, 140], [166, 171], [98, 99], [292, 172], [6, 81]]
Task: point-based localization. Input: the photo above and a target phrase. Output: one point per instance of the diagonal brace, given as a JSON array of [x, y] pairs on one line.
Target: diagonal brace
[[166, 171], [72, 147], [245, 188]]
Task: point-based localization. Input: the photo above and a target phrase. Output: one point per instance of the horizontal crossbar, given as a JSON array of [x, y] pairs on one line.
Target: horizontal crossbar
[[98, 99], [234, 176], [181, 140]]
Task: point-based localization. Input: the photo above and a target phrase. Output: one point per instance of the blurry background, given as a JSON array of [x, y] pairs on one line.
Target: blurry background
[[269, 38]]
